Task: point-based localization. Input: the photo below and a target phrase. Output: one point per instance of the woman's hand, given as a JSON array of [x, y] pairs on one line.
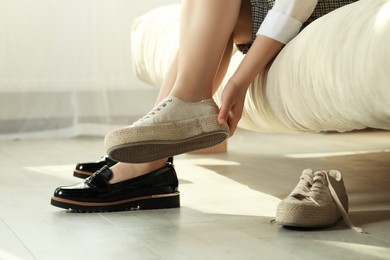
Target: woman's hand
[[263, 50], [233, 98]]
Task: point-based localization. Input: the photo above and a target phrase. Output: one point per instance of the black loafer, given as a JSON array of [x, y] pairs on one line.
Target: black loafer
[[154, 190], [84, 170]]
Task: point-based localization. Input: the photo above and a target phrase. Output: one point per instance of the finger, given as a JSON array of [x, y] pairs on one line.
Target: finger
[[233, 122], [232, 125], [223, 114]]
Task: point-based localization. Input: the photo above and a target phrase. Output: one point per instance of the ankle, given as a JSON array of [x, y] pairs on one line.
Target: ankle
[[192, 97]]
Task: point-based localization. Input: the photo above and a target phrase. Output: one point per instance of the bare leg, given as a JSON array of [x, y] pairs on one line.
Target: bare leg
[[201, 64], [206, 27]]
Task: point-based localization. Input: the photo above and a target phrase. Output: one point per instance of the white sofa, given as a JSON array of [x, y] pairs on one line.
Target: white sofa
[[334, 76]]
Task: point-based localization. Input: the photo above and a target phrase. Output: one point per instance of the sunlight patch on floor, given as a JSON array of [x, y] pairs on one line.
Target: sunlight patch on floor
[[60, 171], [207, 161], [367, 250], [8, 256], [211, 192]]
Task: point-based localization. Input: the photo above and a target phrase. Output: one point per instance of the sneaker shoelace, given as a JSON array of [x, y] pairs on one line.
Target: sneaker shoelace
[[313, 188], [155, 110], [344, 214]]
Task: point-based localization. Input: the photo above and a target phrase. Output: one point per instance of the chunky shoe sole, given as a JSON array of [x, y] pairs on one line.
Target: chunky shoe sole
[[158, 201], [309, 216], [140, 144], [152, 151]]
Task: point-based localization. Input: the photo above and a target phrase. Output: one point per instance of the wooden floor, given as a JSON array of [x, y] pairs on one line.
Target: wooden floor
[[227, 202]]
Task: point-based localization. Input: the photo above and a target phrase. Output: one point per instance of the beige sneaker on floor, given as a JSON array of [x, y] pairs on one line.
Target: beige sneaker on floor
[[319, 200], [172, 128]]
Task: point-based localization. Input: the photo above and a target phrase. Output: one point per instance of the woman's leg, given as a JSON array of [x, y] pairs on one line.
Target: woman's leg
[[205, 29], [206, 44]]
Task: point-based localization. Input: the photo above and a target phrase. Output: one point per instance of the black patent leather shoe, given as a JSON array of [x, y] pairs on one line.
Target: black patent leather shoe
[[154, 190], [84, 170]]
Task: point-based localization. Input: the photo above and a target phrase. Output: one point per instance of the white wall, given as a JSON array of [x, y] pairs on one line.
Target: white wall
[[51, 44], [69, 59]]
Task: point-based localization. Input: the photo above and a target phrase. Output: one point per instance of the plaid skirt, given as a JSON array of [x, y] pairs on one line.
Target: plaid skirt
[[260, 9]]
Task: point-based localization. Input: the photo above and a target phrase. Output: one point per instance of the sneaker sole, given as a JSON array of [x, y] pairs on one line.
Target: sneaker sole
[[308, 216], [158, 201], [141, 144]]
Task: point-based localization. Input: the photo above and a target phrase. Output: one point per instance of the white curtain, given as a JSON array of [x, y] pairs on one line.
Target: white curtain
[[65, 67]]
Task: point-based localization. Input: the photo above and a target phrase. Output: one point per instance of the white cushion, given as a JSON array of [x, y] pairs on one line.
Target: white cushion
[[154, 43]]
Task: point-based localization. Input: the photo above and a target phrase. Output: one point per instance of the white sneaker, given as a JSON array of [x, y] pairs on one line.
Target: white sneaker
[[173, 127], [319, 200]]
